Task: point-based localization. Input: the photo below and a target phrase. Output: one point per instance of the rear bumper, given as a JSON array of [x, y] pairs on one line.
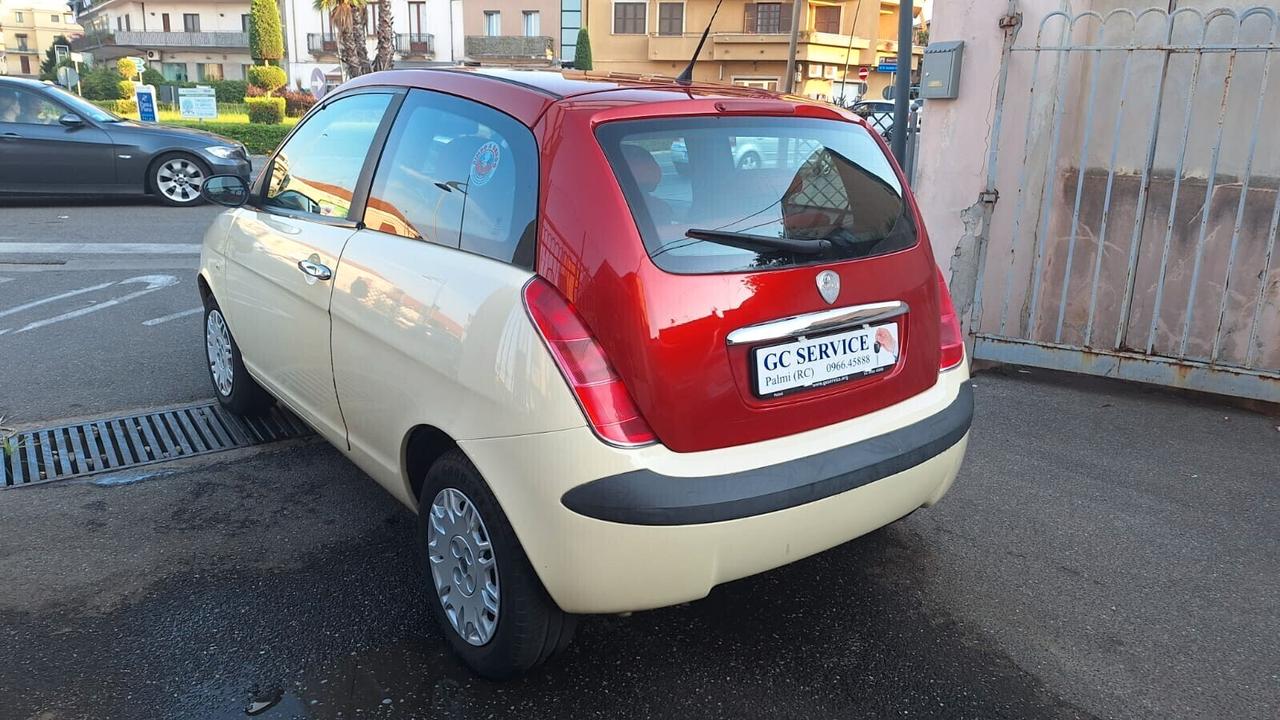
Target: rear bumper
[[612, 530]]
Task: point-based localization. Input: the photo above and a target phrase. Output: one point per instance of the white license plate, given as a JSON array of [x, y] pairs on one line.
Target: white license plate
[[815, 362]]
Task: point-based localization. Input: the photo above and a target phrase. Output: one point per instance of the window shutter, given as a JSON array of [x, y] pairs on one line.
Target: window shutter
[[784, 23], [749, 21]]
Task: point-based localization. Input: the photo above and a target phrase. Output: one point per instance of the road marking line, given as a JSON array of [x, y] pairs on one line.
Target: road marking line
[[175, 316], [55, 298], [153, 282], [35, 248]]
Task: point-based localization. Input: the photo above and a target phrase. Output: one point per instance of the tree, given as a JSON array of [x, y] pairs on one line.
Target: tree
[[347, 17], [385, 57], [266, 40], [49, 66], [582, 52], [268, 77]]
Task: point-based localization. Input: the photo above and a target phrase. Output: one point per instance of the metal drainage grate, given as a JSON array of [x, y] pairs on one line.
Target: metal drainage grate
[[126, 442]]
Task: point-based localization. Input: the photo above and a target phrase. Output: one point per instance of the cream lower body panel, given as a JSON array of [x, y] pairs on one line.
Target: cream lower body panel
[[596, 566]]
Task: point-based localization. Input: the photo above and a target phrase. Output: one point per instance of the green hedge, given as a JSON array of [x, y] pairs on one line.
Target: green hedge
[[119, 107], [268, 77], [228, 91], [259, 139], [265, 110]]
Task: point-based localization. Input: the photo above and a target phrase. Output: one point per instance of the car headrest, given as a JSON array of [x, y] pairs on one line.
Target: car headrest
[[643, 167]]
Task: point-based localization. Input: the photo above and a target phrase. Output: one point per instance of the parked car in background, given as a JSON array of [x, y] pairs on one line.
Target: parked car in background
[[56, 143], [602, 386], [748, 153]]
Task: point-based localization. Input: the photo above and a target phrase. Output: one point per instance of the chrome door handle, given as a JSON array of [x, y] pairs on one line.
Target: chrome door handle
[[313, 268]]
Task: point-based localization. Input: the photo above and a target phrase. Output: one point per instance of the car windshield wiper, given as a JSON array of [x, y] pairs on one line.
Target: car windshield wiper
[[760, 243]]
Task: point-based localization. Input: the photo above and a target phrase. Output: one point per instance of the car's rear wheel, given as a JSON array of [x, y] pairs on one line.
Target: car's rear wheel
[[236, 390], [176, 179], [487, 599]]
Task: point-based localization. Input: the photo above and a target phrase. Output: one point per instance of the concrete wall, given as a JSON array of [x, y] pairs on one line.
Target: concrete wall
[[1038, 183]]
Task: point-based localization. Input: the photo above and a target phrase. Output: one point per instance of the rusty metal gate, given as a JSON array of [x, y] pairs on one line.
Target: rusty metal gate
[[1132, 198]]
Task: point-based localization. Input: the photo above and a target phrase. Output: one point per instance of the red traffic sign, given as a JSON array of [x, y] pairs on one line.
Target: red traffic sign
[[864, 73]]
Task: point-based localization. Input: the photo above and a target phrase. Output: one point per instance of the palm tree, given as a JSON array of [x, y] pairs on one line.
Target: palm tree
[[385, 57], [347, 18]]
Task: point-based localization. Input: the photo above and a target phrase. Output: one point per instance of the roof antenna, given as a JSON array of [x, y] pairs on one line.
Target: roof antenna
[[686, 76]]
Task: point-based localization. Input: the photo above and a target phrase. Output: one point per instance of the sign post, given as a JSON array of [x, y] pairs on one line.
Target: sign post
[[199, 102]]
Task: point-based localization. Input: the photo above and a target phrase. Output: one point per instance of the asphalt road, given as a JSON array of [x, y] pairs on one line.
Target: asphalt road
[[1107, 552]]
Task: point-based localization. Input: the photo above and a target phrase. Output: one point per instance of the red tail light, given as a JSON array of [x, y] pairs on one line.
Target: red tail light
[[951, 337], [604, 399]]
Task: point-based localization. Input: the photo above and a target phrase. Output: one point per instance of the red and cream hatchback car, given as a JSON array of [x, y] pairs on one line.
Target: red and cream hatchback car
[[604, 385]]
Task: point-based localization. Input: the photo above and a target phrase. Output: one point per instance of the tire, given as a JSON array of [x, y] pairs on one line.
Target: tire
[[750, 160], [235, 389], [176, 178], [528, 627]]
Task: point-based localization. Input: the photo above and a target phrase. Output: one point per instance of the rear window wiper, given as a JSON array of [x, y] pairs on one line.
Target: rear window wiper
[[760, 243]]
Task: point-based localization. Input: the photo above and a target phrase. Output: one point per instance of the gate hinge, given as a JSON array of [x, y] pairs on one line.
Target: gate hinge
[[988, 197], [1011, 20]]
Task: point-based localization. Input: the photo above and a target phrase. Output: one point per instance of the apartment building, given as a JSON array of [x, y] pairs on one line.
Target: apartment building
[[427, 33], [186, 40], [748, 43], [512, 32], [27, 30]]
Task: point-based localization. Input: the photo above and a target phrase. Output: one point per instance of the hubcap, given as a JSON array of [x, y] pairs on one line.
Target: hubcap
[[463, 566], [217, 342], [180, 179]]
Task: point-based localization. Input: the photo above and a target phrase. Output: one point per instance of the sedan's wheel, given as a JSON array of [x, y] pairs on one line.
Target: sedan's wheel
[[749, 161], [236, 390], [178, 178], [486, 597]]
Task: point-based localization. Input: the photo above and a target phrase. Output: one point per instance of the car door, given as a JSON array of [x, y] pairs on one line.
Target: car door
[[283, 249], [39, 154], [428, 322]]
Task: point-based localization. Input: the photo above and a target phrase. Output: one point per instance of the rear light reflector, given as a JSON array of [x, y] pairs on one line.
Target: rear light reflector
[[600, 393], [952, 339]]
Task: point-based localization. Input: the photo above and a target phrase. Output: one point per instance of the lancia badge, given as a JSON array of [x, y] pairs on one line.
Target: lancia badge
[[829, 286]]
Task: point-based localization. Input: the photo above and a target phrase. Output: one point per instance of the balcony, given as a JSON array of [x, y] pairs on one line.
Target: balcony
[[416, 44], [24, 50], [322, 44], [509, 49], [168, 40]]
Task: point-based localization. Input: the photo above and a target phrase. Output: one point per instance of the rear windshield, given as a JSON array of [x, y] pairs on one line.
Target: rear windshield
[[730, 194]]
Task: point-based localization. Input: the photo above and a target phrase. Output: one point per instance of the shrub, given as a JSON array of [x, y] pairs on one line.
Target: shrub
[[253, 91], [258, 139], [119, 107], [266, 110], [582, 52], [103, 83], [268, 77], [126, 68], [297, 102], [152, 76], [266, 41], [125, 89]]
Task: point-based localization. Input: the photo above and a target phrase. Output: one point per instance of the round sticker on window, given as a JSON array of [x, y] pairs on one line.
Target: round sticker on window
[[485, 164]]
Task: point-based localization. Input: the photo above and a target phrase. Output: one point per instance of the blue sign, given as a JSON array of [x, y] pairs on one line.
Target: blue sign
[[885, 67], [146, 104]]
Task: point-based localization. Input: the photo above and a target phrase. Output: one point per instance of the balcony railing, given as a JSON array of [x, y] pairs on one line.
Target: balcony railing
[[132, 38], [24, 50], [322, 43], [416, 44]]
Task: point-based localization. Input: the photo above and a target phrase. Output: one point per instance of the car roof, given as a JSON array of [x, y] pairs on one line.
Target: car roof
[[527, 93], [23, 82]]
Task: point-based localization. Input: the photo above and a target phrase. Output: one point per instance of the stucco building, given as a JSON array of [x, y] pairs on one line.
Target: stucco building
[[748, 43], [512, 32], [186, 40], [27, 30]]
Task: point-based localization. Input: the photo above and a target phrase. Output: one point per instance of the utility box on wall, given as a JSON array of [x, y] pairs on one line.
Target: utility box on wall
[[940, 72]]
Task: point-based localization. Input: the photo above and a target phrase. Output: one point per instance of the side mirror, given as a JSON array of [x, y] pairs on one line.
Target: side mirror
[[228, 190], [71, 120]]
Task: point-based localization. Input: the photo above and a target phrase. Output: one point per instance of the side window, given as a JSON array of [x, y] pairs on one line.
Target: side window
[[460, 174], [317, 169], [18, 106]]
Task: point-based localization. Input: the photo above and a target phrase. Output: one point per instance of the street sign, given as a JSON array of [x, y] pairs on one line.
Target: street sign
[[139, 63], [198, 102], [864, 72], [319, 84], [60, 52], [146, 97], [68, 77], [77, 57], [887, 67]]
